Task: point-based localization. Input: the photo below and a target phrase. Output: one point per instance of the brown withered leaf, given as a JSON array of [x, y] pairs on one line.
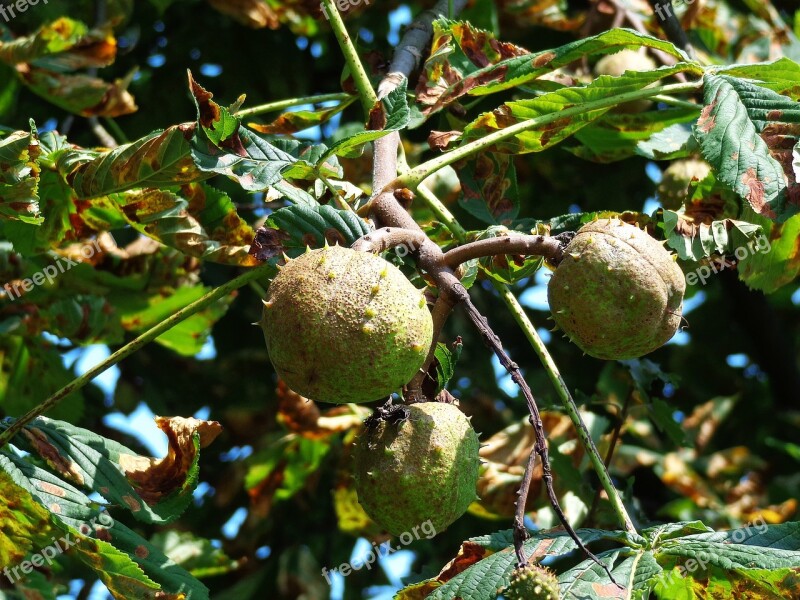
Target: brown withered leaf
[[302, 416], [156, 478], [80, 94], [296, 413], [440, 140], [268, 243], [252, 13], [505, 455]]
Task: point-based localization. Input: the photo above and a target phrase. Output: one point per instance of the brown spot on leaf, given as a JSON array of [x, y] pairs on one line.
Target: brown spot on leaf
[[707, 121], [542, 59], [607, 590], [468, 555], [61, 464], [132, 503], [51, 489], [310, 240], [755, 193], [377, 118]]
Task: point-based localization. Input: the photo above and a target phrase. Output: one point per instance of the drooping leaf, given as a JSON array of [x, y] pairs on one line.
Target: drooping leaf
[[255, 163], [198, 220], [153, 490], [196, 555], [776, 262], [747, 133], [600, 92], [446, 360], [24, 525], [19, 177], [281, 469], [161, 159], [780, 75], [139, 313], [616, 137], [476, 72], [216, 122], [676, 141], [51, 38], [696, 241], [127, 564], [81, 94], [489, 187], [298, 120]]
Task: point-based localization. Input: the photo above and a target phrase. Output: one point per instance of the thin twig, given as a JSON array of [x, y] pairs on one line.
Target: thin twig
[[540, 448], [101, 133], [568, 403]]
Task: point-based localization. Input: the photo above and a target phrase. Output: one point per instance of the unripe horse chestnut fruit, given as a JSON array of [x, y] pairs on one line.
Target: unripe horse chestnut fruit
[[345, 326], [419, 468], [617, 293]]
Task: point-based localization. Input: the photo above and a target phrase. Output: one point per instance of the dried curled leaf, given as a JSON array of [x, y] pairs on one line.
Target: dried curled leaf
[[156, 478]]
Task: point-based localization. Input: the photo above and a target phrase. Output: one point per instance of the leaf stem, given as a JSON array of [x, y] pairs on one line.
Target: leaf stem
[[569, 404], [418, 174], [438, 208], [282, 104], [134, 345], [368, 97]]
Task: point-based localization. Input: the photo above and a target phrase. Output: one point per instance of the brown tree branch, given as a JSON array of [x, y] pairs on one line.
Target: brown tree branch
[[387, 238], [525, 245], [540, 448]]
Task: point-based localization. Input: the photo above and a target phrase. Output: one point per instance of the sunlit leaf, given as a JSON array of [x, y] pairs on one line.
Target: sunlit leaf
[[540, 138], [474, 72], [747, 134]]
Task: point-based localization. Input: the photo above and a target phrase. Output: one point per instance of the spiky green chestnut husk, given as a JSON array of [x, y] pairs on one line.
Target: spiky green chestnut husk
[[345, 326], [532, 583], [423, 468], [617, 293], [626, 60], [674, 186]]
